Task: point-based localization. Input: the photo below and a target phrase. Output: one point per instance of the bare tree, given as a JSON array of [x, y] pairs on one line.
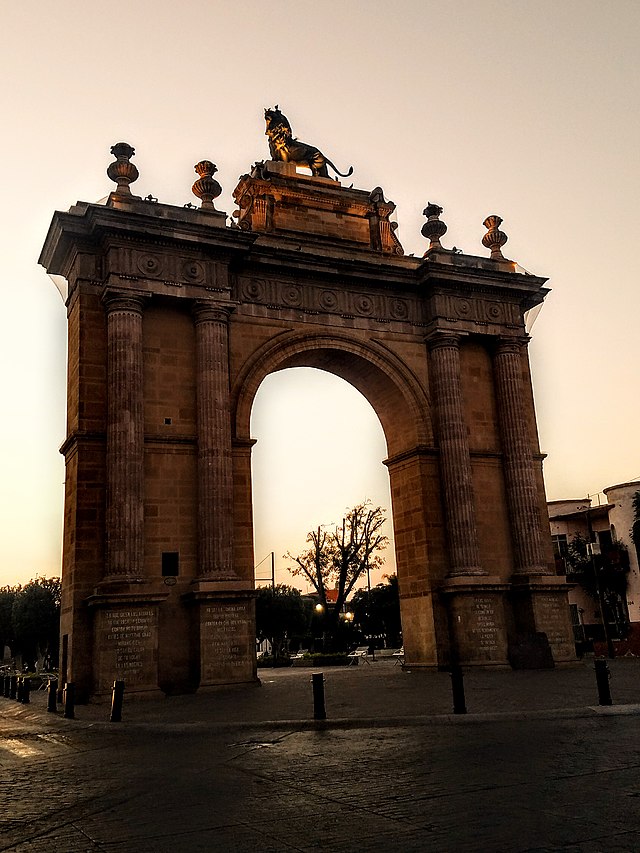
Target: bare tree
[[338, 557]]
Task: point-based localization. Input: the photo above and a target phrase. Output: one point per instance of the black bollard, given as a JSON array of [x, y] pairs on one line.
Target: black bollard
[[69, 700], [19, 689], [602, 680], [319, 713], [13, 692], [52, 695], [457, 688], [26, 690], [7, 686], [117, 698]]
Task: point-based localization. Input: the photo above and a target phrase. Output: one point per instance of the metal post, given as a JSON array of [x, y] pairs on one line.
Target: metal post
[[7, 686], [13, 691], [117, 697], [319, 712], [373, 644], [69, 700], [18, 696], [457, 688], [602, 680], [52, 691], [26, 690]]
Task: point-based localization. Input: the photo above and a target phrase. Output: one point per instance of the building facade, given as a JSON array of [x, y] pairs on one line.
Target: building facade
[[594, 548]]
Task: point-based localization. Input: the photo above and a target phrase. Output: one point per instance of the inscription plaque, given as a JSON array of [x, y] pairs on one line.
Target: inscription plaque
[[226, 642], [127, 648], [552, 615]]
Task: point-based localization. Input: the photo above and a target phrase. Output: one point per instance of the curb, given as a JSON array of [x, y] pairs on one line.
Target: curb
[[38, 717]]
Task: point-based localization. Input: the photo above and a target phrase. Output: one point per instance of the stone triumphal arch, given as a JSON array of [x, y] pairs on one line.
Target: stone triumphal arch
[[176, 317]]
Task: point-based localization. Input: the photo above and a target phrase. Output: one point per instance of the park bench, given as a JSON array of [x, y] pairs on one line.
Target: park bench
[[398, 656], [361, 653]]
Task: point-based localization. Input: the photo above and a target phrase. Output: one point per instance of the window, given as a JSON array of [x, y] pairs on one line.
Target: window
[[560, 544], [170, 563]]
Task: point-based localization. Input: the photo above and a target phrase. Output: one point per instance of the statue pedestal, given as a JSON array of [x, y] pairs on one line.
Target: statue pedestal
[[477, 627], [224, 623]]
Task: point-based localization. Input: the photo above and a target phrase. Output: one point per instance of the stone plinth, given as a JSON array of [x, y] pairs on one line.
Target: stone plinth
[[478, 633], [276, 199], [540, 607], [224, 620], [125, 641]]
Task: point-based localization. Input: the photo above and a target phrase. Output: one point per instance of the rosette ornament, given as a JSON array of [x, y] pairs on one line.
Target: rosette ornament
[[121, 170], [433, 229], [206, 188], [494, 239]]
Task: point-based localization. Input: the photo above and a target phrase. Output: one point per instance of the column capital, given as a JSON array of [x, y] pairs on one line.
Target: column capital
[[505, 344], [205, 311], [123, 302], [441, 338]]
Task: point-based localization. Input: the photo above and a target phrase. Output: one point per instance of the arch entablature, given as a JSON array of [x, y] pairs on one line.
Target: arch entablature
[[388, 384]]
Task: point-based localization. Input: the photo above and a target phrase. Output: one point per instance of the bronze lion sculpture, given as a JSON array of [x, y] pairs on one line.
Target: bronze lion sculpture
[[285, 147]]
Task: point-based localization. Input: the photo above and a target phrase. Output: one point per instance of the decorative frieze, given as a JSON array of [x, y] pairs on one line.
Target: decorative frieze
[[328, 300], [127, 264]]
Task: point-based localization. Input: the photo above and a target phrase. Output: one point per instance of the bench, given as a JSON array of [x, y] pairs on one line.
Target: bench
[[361, 653], [398, 656]]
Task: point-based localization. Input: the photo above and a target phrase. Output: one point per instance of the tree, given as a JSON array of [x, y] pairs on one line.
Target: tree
[[281, 615], [635, 529], [35, 618], [604, 577], [377, 612], [7, 597], [338, 558]]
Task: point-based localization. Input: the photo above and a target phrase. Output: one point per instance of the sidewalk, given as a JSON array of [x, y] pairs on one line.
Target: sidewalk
[[369, 694]]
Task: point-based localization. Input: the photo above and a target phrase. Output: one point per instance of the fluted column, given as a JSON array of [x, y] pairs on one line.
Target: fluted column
[[519, 471], [125, 438], [455, 458], [215, 469]]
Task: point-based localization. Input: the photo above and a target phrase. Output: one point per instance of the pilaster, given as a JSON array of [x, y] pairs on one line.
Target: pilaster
[[125, 438], [455, 458], [520, 481], [215, 466]]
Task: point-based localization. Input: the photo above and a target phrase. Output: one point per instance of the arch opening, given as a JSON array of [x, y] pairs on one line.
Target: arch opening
[[319, 451]]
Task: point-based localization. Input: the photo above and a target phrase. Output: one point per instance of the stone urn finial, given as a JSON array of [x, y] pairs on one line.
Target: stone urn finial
[[206, 188], [433, 229], [121, 170], [494, 239]]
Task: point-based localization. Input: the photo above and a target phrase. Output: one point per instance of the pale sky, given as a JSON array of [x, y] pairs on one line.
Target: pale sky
[[528, 109]]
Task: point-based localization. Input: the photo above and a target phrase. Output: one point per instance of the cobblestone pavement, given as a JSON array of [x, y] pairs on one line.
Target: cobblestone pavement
[[172, 780]]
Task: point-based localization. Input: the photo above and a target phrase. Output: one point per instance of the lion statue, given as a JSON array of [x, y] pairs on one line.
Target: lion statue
[[285, 147]]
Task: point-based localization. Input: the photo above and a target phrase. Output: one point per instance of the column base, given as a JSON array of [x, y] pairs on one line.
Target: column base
[[224, 624], [478, 633], [543, 635]]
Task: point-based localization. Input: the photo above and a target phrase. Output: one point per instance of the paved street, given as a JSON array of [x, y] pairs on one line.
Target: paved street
[[523, 781]]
